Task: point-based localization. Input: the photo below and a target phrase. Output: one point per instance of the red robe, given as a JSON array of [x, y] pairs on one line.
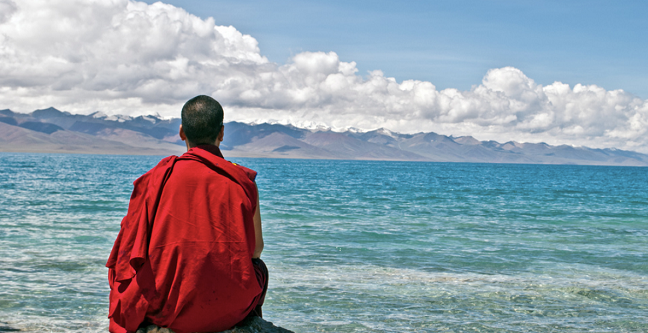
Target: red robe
[[182, 258]]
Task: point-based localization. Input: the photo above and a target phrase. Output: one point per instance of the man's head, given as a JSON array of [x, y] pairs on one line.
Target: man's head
[[202, 121]]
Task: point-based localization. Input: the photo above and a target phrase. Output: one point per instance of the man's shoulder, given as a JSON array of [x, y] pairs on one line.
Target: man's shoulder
[[248, 172], [163, 165], [165, 161]]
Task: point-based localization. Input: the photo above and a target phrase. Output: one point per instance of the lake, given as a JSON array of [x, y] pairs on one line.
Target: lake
[[357, 246]]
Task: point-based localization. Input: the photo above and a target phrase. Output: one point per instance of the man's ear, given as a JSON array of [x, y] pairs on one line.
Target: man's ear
[[221, 135], [182, 134]]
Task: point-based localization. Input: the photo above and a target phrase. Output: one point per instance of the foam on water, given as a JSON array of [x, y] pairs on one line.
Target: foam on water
[[423, 300], [357, 246]]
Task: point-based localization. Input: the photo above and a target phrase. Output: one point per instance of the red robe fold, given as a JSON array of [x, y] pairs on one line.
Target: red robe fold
[[182, 258]]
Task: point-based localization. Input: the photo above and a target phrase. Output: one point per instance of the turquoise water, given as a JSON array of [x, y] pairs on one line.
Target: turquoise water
[[357, 246]]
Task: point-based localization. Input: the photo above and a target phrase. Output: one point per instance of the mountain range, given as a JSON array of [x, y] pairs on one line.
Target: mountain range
[[53, 131]]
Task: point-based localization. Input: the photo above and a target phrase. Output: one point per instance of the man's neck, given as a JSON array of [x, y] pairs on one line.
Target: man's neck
[[191, 145]]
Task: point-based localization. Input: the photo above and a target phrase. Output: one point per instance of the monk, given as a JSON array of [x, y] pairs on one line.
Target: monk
[[187, 256]]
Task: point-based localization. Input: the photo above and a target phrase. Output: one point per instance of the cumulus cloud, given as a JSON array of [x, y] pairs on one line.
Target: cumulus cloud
[[7, 8], [126, 57]]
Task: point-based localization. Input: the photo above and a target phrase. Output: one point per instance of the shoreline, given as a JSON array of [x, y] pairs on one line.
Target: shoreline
[[238, 154]]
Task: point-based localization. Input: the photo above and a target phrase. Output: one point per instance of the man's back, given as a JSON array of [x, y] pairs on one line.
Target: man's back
[[198, 275]]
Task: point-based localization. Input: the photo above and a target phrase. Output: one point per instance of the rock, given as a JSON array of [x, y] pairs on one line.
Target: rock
[[250, 325], [5, 328]]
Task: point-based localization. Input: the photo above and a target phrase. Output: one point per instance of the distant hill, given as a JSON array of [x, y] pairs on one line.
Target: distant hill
[[51, 130]]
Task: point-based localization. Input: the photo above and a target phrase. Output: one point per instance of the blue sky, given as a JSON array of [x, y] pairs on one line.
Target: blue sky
[[454, 43], [570, 72]]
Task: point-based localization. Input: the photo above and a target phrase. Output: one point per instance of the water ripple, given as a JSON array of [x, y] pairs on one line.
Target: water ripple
[[357, 246]]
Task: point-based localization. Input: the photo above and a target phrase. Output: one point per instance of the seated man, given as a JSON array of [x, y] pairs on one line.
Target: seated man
[[187, 254]]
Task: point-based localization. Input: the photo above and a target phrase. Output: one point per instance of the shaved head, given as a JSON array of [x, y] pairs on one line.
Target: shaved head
[[202, 119]]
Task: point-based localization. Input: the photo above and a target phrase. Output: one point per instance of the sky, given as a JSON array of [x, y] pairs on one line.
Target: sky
[[454, 43], [561, 72]]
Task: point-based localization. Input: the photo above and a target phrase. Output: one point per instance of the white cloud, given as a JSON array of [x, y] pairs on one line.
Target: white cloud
[[126, 57], [7, 8]]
